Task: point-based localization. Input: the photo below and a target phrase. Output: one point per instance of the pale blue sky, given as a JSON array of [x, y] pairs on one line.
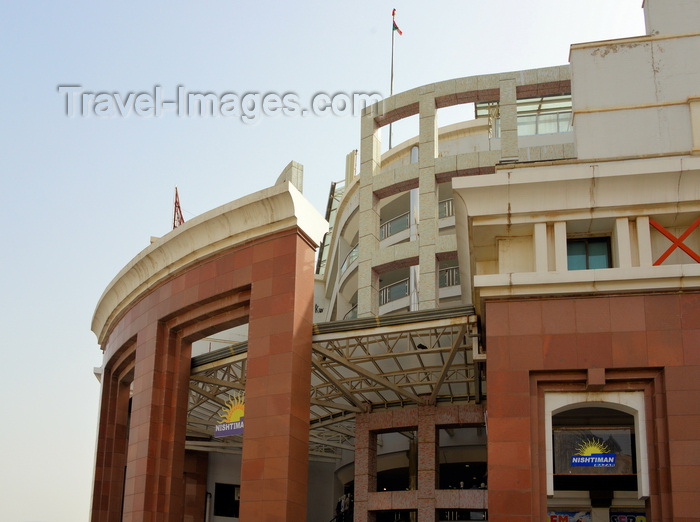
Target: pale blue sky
[[82, 196]]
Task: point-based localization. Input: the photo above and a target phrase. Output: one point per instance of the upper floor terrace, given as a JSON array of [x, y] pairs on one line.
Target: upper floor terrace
[[393, 227], [624, 225]]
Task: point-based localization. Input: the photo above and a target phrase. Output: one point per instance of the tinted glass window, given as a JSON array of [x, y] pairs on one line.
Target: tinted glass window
[[588, 253]]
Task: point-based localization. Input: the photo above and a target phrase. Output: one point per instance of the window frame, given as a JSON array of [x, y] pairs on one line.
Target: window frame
[[227, 501], [587, 242]]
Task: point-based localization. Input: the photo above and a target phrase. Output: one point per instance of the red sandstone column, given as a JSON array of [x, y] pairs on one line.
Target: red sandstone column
[[365, 467], [276, 439], [111, 450], [196, 465], [154, 477], [427, 464]]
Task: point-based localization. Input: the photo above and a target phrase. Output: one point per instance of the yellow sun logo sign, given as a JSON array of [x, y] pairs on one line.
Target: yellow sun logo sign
[[234, 409], [592, 446]]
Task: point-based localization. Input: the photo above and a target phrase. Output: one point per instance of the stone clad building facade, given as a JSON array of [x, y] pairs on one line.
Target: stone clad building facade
[[496, 320], [253, 264]]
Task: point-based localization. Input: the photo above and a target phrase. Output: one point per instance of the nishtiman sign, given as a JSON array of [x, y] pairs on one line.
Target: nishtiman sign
[[232, 418], [594, 453]]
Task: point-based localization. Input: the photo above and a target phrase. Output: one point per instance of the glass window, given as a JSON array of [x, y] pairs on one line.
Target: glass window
[[594, 448], [394, 472], [446, 208], [598, 256], [227, 499], [542, 115], [593, 451], [564, 121], [576, 253], [588, 253], [462, 458], [527, 125], [547, 124]]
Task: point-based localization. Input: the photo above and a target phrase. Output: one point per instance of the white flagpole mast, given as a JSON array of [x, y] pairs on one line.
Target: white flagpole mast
[[391, 89]]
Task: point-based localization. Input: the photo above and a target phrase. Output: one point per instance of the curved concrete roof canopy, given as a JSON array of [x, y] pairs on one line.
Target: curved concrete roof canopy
[[265, 212]]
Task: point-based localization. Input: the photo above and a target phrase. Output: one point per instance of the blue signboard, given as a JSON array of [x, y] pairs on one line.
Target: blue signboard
[[595, 460], [226, 429], [593, 451]]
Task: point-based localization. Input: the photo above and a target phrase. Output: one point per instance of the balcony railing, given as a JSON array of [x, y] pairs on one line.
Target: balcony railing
[[352, 256], [394, 226], [352, 313], [448, 277], [446, 208], [393, 292]]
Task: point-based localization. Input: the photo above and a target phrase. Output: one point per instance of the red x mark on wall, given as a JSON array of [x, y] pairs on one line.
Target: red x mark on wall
[[677, 241]]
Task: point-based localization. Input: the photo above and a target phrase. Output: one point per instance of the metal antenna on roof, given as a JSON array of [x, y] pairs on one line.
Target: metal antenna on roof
[[177, 212]]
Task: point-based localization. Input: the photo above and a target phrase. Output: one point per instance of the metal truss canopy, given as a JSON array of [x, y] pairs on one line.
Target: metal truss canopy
[[375, 365]]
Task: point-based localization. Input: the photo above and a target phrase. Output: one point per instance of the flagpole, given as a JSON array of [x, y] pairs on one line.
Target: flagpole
[[391, 88]]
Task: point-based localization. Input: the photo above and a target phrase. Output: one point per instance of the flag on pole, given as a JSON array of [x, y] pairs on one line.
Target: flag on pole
[[395, 27]]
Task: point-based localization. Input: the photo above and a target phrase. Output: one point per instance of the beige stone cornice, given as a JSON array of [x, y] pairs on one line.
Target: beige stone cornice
[[630, 41], [266, 212]]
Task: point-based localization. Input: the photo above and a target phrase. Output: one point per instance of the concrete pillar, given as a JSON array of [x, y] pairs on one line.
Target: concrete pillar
[[464, 254], [644, 241], [561, 260], [370, 164], [509, 120], [427, 194], [623, 246], [414, 270], [694, 103], [350, 167], [540, 241]]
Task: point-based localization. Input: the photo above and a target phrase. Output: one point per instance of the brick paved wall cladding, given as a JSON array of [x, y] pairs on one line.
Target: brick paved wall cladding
[[426, 500], [607, 343]]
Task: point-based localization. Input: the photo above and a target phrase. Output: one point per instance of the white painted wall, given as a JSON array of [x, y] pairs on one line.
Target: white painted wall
[[671, 16], [322, 494], [226, 469], [630, 96]]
